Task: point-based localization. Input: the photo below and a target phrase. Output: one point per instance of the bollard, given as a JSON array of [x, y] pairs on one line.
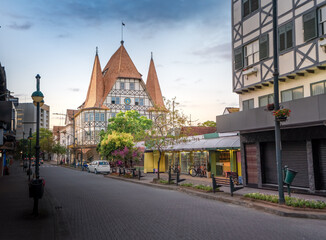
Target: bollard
[[169, 175], [231, 186], [124, 171], [177, 180], [213, 183], [139, 174]]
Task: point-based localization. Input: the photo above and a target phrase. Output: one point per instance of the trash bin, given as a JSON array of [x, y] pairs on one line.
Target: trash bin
[[289, 176], [36, 188]]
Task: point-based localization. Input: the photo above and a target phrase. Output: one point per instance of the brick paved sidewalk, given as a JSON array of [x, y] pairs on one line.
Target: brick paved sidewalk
[[16, 219], [238, 198]]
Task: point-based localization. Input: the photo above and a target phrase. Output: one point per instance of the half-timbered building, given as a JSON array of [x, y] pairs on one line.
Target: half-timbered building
[[117, 87], [301, 36]]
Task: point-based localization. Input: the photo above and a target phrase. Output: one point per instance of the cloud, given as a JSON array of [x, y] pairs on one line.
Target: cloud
[[63, 35], [74, 89], [220, 51], [24, 26], [198, 80], [178, 79], [152, 13]]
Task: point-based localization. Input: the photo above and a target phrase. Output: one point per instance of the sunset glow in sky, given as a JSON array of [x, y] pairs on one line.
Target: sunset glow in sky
[[190, 41]]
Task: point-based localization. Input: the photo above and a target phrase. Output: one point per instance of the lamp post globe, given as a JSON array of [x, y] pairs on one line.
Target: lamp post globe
[[41, 103], [37, 96]]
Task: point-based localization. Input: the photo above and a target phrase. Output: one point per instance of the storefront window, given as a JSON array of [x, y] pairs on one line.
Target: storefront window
[[200, 159], [185, 162], [223, 164]]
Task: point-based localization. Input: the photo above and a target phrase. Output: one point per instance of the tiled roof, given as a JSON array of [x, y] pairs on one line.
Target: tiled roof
[[96, 86], [232, 109], [153, 86], [71, 113], [56, 131], [194, 130], [120, 65]]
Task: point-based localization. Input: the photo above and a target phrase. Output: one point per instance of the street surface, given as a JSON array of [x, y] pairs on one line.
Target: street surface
[[90, 206]]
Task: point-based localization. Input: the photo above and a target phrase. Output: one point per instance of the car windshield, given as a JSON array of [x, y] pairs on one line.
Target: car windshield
[[103, 163]]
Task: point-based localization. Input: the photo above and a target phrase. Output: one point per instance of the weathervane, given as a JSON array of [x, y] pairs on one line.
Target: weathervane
[[122, 25]]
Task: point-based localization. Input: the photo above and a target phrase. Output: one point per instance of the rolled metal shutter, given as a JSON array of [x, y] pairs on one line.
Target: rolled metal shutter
[[321, 168], [251, 161], [269, 170], [294, 155]]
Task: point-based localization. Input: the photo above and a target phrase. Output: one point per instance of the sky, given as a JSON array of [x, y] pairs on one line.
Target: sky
[[190, 41]]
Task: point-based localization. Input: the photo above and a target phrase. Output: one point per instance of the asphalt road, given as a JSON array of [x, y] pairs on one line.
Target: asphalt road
[[89, 206]]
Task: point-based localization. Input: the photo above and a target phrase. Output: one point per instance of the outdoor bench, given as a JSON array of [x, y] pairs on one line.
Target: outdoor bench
[[131, 171], [218, 182], [234, 176], [174, 176]]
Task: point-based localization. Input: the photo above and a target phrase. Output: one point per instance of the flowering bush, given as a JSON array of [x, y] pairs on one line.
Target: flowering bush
[[284, 112]]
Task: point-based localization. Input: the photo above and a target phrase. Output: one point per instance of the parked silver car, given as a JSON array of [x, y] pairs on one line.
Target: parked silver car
[[99, 166]]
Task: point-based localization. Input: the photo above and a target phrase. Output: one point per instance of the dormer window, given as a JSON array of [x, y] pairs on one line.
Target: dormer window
[[122, 85]]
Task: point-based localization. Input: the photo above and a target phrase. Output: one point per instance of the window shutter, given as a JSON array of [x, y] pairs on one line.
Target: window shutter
[[309, 26], [238, 63], [264, 47]]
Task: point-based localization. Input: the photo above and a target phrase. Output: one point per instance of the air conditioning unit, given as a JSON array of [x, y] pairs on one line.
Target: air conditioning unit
[[322, 43], [250, 71]]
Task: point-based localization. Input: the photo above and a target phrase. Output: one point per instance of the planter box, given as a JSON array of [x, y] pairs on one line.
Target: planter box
[[36, 188]]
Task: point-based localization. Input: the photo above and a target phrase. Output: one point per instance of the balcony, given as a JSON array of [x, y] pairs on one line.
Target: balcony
[[309, 111]]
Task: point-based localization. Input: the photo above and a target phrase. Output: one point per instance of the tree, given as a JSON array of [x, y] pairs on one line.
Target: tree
[[129, 122], [165, 131], [59, 150], [207, 124], [120, 135], [114, 141], [46, 141]]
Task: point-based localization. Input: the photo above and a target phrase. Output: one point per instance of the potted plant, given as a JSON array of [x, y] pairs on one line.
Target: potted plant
[[281, 114], [270, 107], [208, 170]]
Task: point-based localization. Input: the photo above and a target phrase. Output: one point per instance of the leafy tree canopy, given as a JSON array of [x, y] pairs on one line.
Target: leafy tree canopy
[[58, 149], [207, 124], [129, 122], [165, 130], [114, 141]]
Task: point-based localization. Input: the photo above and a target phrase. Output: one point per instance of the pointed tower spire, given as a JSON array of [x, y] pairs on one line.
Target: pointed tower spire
[[96, 86], [153, 85], [120, 65]]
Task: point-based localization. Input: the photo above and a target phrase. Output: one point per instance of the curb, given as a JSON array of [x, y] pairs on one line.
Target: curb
[[236, 200]]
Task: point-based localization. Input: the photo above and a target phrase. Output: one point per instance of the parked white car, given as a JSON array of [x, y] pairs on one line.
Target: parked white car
[[99, 166]]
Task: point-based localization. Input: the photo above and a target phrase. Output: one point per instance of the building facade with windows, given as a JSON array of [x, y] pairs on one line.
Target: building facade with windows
[[27, 118], [301, 49], [117, 87]]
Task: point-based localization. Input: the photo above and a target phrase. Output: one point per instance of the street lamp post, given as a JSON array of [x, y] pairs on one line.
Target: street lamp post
[[278, 149], [37, 184], [30, 137]]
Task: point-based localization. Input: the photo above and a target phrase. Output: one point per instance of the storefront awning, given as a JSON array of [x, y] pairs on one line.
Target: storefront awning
[[231, 142]]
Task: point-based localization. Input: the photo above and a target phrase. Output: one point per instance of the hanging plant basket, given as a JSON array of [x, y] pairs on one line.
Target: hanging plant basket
[[281, 119], [270, 107], [281, 115]]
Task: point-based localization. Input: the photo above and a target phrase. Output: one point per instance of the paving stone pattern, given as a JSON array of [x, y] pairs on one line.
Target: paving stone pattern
[[91, 206]]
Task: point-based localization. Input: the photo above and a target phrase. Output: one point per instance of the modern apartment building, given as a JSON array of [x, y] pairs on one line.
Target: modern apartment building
[[301, 36], [27, 118]]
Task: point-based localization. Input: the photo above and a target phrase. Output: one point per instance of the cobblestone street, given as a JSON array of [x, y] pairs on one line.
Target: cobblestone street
[[94, 207]]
